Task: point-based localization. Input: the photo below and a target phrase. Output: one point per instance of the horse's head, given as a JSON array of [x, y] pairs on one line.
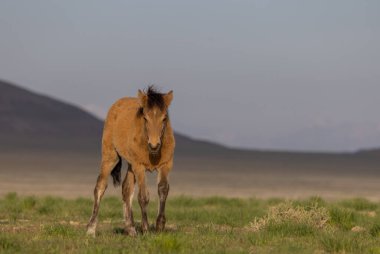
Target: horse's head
[[154, 113]]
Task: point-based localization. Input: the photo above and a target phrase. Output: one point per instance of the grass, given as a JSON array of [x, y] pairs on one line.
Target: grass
[[202, 225]]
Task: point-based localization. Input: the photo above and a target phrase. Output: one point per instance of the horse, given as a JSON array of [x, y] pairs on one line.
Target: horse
[[137, 130]]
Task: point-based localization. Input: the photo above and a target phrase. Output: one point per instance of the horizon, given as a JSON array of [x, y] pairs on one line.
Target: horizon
[[258, 75]]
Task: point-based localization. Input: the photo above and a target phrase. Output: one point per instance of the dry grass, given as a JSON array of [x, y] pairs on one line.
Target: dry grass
[[287, 213]]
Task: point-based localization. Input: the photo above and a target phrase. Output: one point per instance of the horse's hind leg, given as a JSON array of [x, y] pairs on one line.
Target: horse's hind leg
[[128, 191], [109, 161], [163, 191]]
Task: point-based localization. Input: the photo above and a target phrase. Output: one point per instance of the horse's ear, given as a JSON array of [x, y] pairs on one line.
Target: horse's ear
[[143, 98], [168, 98]]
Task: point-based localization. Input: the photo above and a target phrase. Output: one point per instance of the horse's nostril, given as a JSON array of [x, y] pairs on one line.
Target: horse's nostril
[[154, 147]]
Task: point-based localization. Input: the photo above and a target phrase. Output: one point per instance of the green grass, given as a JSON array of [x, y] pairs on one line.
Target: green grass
[[195, 225]]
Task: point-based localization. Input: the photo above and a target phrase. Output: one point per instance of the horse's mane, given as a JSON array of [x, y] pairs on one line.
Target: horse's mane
[[155, 98]]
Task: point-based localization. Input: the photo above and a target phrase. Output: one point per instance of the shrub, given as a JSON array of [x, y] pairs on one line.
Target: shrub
[[299, 217]]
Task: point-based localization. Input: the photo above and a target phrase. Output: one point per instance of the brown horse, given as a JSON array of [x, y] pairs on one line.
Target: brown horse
[[139, 131]]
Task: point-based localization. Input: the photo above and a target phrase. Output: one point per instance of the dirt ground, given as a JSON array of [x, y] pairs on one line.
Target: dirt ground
[[74, 175]]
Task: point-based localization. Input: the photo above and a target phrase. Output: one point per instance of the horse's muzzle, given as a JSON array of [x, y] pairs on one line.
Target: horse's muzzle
[[154, 149]]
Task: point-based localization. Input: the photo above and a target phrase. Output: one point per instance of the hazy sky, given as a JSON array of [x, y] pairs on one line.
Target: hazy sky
[[301, 75]]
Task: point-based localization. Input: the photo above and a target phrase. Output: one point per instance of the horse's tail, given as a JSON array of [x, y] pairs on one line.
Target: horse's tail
[[116, 173]]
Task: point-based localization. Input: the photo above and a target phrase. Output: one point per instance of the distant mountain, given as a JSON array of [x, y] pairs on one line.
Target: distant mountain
[[347, 135], [29, 120], [373, 151]]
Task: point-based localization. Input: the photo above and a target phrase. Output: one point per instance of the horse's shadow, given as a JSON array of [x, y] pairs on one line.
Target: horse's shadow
[[152, 229]]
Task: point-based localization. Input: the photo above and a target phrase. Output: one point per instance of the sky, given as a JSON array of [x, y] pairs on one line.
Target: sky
[[278, 75]]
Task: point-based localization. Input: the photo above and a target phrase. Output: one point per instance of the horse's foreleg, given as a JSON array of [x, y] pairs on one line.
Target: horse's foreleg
[[128, 191], [143, 197], [163, 191], [100, 188]]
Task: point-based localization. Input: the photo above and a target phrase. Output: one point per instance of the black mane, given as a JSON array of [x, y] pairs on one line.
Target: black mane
[[155, 98]]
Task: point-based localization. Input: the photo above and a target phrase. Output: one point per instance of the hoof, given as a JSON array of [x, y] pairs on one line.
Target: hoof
[[160, 224], [130, 232], [160, 227], [91, 231], [144, 228]]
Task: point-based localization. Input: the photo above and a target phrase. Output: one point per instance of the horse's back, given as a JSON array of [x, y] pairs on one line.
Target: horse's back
[[121, 112], [124, 106]]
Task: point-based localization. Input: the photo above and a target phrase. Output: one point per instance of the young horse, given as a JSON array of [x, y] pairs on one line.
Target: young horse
[[139, 131]]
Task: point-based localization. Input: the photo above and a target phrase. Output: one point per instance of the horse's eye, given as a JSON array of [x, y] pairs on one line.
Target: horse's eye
[[146, 120], [165, 119]]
